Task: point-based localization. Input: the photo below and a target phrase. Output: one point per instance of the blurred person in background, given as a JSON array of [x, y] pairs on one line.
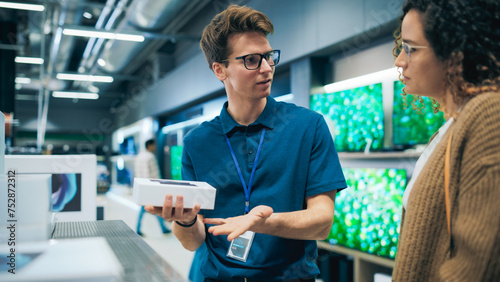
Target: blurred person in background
[[146, 166]]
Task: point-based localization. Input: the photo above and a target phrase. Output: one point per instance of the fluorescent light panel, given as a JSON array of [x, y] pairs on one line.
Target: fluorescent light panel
[[182, 124], [23, 80], [103, 34], [29, 60], [19, 6], [101, 62], [87, 15], [388, 74], [75, 95], [85, 77]]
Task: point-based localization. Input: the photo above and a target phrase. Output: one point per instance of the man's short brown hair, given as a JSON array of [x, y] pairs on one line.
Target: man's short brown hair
[[235, 19]]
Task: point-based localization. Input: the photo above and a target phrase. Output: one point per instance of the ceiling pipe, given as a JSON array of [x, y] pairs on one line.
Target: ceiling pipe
[[58, 61], [43, 104], [121, 7], [94, 46], [99, 24], [70, 16]]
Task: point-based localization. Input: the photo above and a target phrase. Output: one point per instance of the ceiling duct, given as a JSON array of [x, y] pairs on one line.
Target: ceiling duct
[[144, 16]]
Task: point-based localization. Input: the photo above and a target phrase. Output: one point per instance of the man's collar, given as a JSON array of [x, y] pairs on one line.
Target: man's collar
[[266, 117]]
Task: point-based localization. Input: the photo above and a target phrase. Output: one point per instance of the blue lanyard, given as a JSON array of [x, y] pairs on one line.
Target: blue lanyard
[[249, 189]]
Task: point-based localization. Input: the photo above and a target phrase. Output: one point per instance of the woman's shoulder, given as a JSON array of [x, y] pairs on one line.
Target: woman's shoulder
[[480, 116], [489, 101]]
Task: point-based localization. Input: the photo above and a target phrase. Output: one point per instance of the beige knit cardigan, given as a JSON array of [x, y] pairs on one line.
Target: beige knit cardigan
[[424, 245]]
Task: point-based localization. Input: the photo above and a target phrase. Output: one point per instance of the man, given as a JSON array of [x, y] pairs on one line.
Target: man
[[274, 166], [146, 166]]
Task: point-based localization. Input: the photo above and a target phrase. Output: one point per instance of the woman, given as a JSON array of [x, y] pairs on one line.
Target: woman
[[449, 51]]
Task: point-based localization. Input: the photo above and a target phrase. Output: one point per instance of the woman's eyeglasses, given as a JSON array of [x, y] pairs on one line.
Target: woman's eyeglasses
[[410, 49]]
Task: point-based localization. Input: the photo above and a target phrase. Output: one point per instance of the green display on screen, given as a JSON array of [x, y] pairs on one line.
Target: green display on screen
[[368, 213], [356, 114], [176, 162], [410, 127]]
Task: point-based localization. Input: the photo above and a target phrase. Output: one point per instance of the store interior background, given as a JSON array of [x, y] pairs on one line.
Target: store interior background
[[162, 87]]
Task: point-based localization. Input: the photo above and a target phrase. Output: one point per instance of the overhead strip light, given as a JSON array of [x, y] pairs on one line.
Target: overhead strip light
[[388, 74], [23, 80], [75, 95], [176, 126], [103, 34], [29, 60], [87, 15], [19, 6], [85, 77]]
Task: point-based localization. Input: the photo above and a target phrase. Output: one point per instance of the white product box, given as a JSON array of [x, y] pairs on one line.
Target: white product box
[[78, 171], [83, 259], [153, 191], [30, 216]]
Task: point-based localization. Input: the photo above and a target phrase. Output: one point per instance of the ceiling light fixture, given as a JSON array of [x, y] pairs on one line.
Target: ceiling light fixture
[[101, 62], [85, 77], [87, 15], [19, 6], [29, 60], [75, 95], [23, 80], [103, 34]]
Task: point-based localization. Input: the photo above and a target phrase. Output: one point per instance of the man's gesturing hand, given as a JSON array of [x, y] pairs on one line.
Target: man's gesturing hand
[[236, 226]]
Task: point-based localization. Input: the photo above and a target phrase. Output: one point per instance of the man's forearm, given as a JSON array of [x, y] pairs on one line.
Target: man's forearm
[[191, 237], [313, 223], [300, 225]]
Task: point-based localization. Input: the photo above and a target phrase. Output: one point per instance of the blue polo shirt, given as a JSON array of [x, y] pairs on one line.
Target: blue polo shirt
[[297, 160]]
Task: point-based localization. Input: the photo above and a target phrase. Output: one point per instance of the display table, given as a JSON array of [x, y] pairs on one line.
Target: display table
[[139, 261]]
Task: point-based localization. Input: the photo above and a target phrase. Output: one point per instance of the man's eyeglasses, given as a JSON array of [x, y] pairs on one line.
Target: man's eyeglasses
[[253, 61], [409, 49]]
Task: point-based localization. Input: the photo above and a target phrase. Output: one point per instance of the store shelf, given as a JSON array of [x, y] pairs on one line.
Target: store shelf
[[365, 265], [355, 253], [379, 155]]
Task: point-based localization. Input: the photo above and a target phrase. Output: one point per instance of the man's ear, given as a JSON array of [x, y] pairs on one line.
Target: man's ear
[[219, 70]]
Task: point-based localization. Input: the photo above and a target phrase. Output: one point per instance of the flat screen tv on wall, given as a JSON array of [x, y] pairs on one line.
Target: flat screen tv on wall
[[409, 127], [356, 116], [368, 213]]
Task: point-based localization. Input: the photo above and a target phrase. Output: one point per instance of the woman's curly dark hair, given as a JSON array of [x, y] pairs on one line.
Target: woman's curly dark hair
[[465, 35]]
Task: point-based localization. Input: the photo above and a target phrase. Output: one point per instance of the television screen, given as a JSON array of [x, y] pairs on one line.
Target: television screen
[[66, 192], [127, 147], [356, 115], [124, 176], [408, 126], [176, 162], [368, 214]]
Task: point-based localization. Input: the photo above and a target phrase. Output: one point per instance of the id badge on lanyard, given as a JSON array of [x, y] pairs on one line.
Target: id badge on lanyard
[[240, 247]]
